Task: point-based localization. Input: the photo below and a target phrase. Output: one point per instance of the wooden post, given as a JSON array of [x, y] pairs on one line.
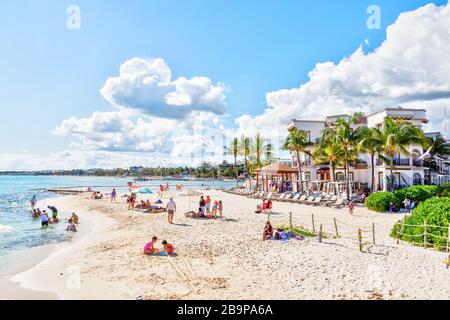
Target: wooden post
[[313, 225], [336, 227], [373, 232], [448, 238], [319, 235], [425, 233], [360, 240]]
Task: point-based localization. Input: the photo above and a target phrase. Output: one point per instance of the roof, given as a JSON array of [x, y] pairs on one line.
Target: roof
[[275, 168]]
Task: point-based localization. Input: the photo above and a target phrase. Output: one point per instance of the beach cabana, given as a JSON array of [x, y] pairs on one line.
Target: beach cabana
[[274, 172]]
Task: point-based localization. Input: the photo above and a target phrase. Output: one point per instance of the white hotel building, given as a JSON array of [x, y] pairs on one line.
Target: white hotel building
[[408, 171]]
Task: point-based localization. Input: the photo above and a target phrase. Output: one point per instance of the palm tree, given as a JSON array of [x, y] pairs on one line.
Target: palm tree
[[260, 148], [396, 137], [297, 141], [371, 142], [244, 150], [328, 151], [234, 150], [437, 147], [346, 139]]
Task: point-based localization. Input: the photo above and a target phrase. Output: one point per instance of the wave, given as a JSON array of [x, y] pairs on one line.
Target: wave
[[4, 228]]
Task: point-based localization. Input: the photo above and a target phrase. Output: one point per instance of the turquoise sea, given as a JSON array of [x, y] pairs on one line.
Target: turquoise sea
[[19, 231]]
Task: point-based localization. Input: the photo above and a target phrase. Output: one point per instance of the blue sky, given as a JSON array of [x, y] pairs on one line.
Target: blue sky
[[50, 73]]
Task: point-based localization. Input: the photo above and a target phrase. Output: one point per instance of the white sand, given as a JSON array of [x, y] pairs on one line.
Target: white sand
[[227, 259]]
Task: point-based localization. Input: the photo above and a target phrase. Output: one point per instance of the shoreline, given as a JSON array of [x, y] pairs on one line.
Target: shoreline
[[49, 275], [28, 259]]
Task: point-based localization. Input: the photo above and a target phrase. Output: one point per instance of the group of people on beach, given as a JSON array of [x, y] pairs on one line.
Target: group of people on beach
[[265, 207], [209, 209], [150, 249], [46, 219]]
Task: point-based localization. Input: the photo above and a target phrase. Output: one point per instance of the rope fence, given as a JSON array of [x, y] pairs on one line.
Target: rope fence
[[362, 235]]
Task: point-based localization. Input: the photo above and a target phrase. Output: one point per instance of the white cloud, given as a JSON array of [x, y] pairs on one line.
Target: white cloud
[[411, 68], [146, 85]]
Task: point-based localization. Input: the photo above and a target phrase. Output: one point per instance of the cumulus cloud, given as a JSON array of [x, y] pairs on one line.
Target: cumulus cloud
[[146, 85], [411, 68]]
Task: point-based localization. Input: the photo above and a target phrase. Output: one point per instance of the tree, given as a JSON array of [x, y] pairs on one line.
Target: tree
[[261, 148], [346, 138], [244, 150], [234, 150], [396, 137], [297, 141], [328, 151], [371, 143], [437, 147]]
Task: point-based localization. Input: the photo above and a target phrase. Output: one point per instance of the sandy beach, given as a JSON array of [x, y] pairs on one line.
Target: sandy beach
[[227, 259]]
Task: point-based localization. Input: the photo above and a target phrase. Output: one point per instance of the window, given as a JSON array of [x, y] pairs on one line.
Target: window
[[340, 176], [307, 176]]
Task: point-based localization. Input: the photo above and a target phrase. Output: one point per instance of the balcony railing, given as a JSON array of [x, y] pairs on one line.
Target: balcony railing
[[396, 162]]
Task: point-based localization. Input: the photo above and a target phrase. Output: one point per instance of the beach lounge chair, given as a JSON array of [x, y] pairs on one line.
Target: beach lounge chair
[[317, 201], [282, 196], [288, 197], [302, 199], [338, 204], [330, 201], [295, 198], [309, 200]]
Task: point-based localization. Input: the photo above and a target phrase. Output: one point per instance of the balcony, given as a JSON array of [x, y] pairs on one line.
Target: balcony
[[397, 162], [417, 163]]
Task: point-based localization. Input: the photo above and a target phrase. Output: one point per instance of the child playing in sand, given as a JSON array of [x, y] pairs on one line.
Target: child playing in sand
[[150, 247], [168, 248], [114, 196]]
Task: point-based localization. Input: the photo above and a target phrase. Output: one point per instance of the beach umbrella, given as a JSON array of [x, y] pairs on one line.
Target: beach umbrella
[[144, 191]]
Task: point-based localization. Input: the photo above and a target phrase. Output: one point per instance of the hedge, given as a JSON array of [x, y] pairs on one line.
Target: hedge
[[415, 193], [444, 190], [435, 211], [379, 201]]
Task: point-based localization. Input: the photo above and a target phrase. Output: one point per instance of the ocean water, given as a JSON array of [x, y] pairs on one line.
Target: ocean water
[[19, 231]]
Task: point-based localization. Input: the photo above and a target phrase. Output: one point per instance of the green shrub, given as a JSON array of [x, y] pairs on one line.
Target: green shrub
[[444, 190], [435, 211], [379, 201], [415, 193]]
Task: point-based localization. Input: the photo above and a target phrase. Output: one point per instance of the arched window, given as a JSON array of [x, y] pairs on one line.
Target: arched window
[[417, 179]]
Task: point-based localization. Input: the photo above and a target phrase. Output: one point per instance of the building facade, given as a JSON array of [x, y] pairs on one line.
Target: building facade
[[407, 171]]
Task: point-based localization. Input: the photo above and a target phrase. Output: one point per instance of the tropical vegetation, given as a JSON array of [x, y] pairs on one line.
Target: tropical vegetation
[[432, 216]]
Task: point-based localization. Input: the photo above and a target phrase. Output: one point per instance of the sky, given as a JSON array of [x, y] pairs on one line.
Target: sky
[[114, 84]]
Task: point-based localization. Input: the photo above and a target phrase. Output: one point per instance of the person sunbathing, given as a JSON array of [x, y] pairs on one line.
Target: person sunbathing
[[168, 248], [268, 231], [150, 247]]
